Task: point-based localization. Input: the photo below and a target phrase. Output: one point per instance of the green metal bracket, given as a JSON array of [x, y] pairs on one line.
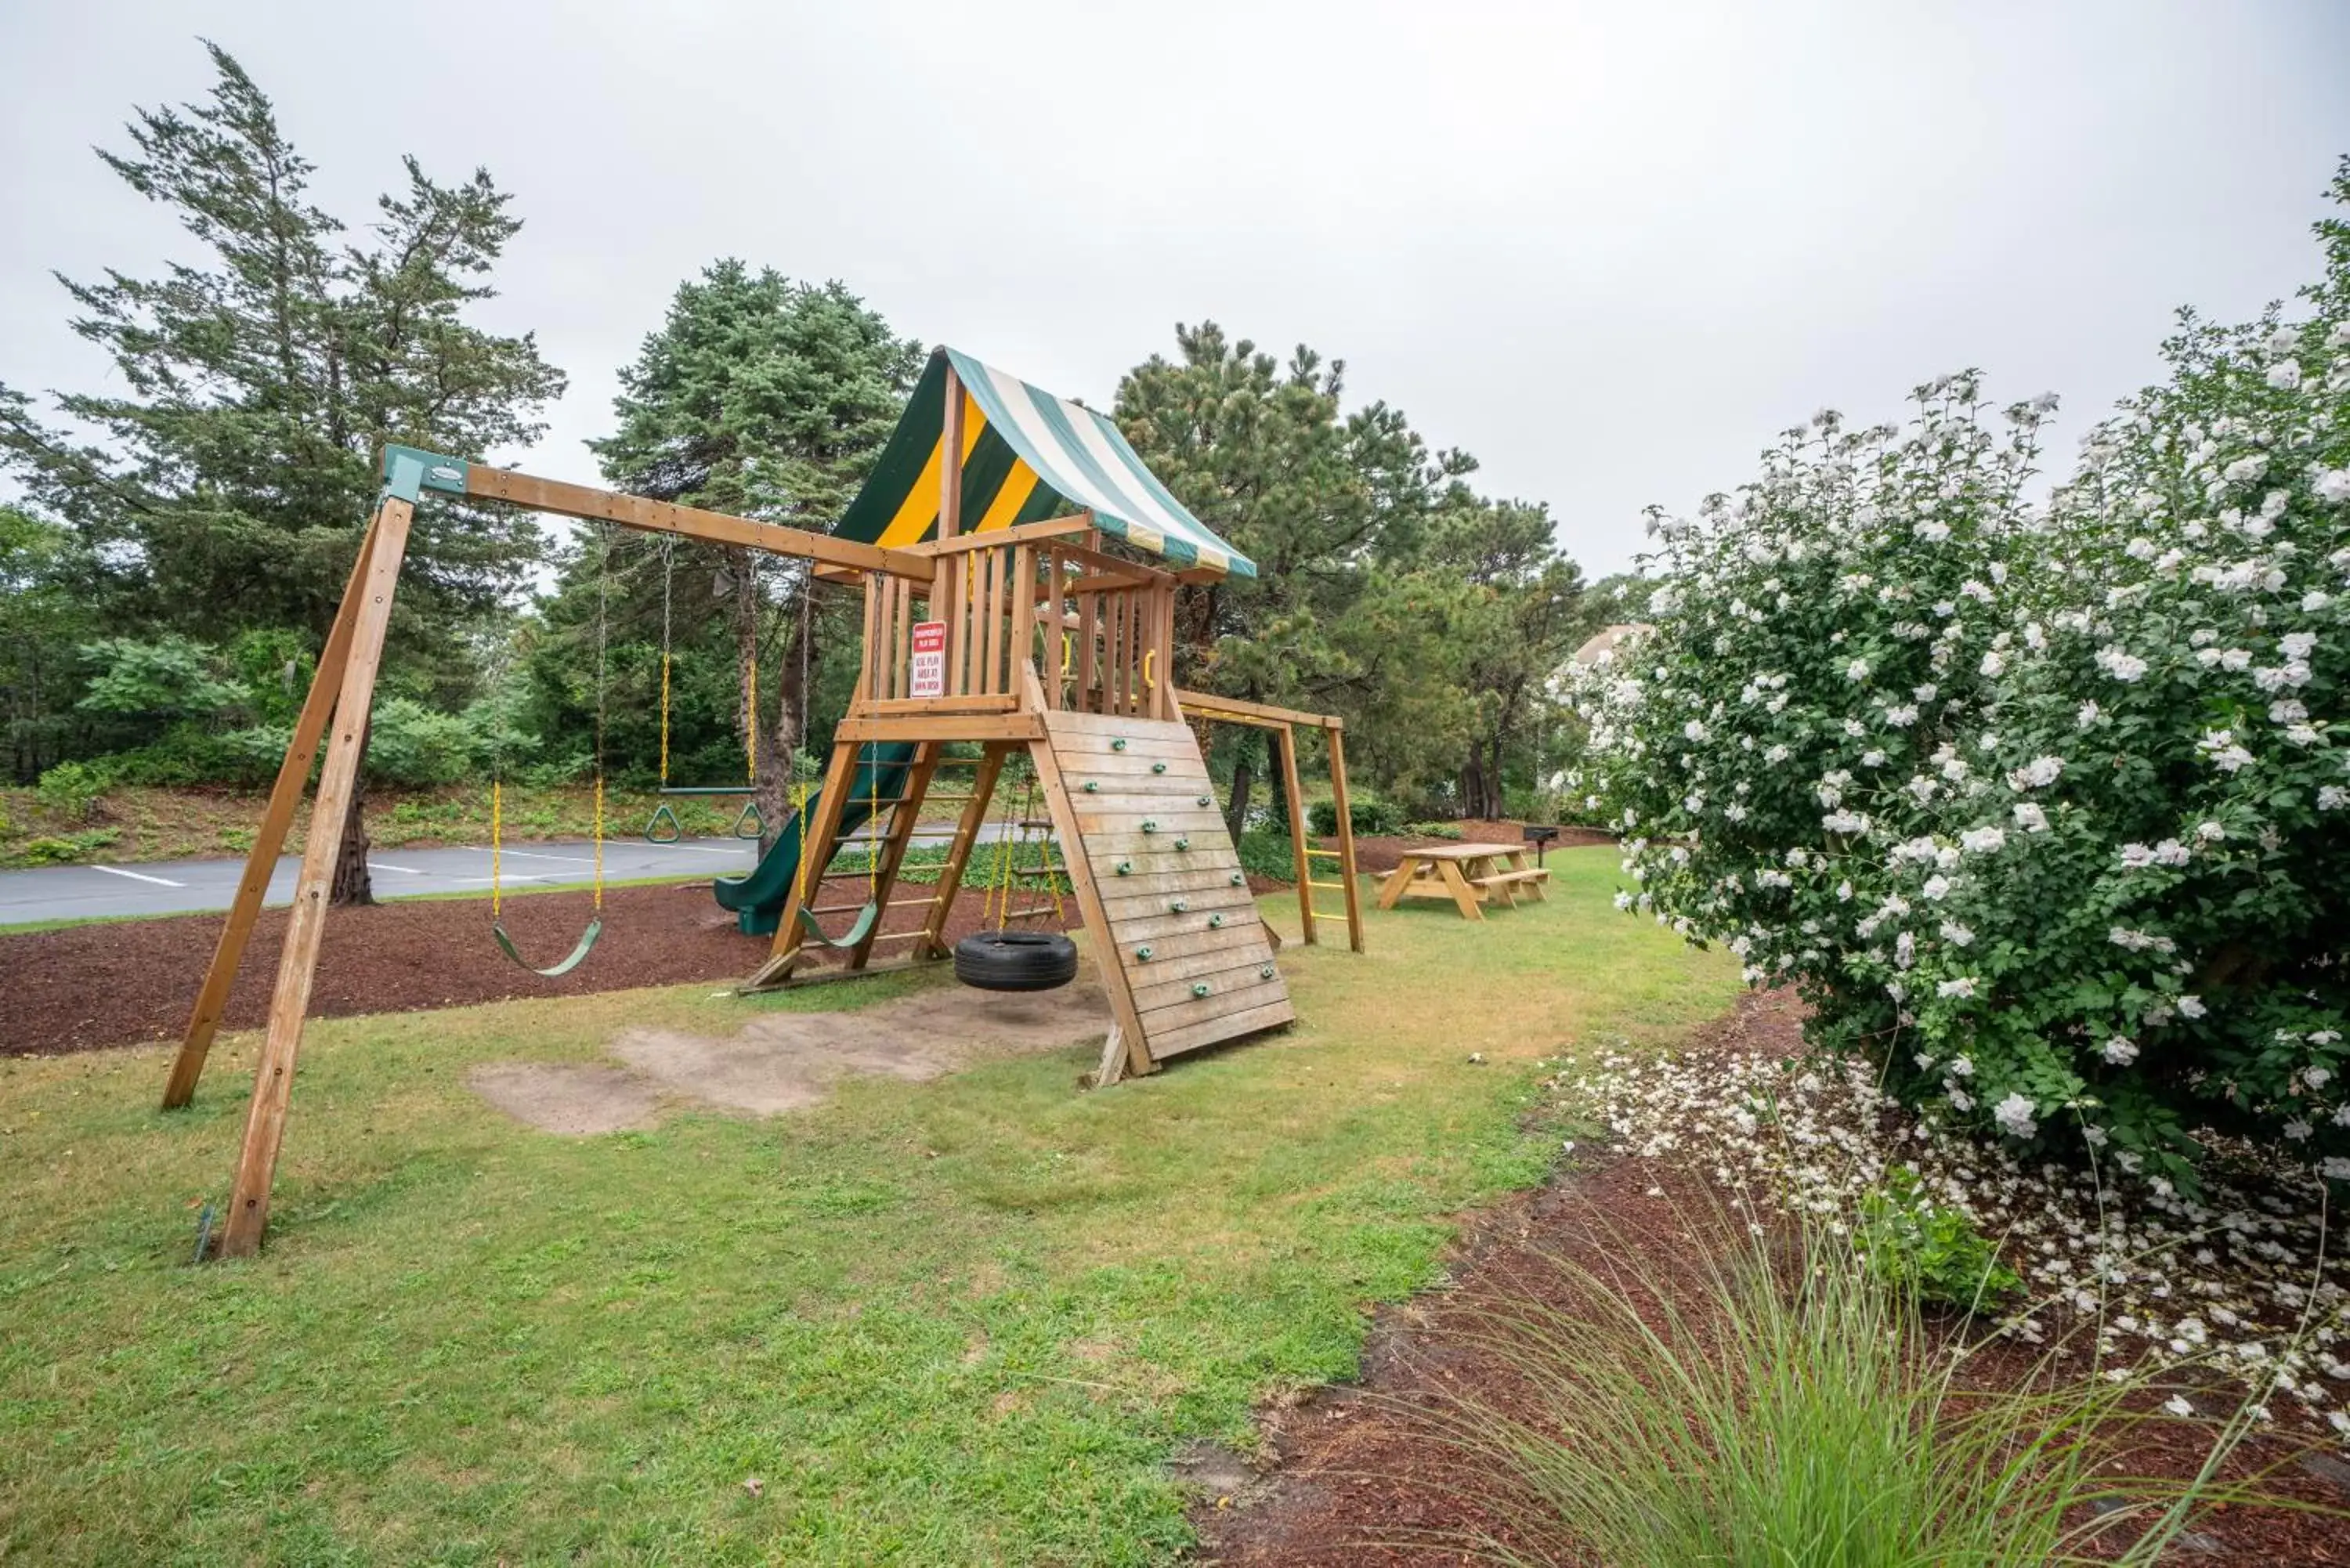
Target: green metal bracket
[[409, 471]]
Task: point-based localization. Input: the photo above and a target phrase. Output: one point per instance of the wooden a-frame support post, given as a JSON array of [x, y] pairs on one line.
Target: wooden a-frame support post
[[261, 862], [273, 1081]]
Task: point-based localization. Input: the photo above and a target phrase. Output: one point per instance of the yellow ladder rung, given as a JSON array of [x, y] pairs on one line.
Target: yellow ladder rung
[[1327, 854], [1332, 887]]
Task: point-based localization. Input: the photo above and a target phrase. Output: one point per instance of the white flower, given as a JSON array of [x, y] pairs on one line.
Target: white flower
[[2317, 1077], [2297, 1130], [2121, 664], [2246, 470], [2298, 644], [1845, 821], [2088, 715], [2219, 748], [1959, 1099], [1963, 1066], [2137, 855], [2335, 1169], [2332, 798], [1902, 716], [1856, 671], [1992, 664], [1777, 754], [1985, 840], [1694, 730], [2191, 1006], [2120, 1050], [2333, 484], [2178, 1406], [1955, 934], [2209, 833], [1962, 989], [2037, 773], [2013, 1115], [2030, 818], [1936, 886], [2285, 376]]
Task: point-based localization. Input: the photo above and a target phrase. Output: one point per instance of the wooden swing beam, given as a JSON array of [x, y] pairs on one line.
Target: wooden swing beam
[[342, 693]]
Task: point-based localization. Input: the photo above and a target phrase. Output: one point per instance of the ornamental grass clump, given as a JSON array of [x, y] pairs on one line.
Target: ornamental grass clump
[[2042, 804], [1787, 1411]]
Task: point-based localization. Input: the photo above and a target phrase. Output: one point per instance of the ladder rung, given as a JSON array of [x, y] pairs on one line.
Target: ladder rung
[[1326, 854], [1037, 822], [948, 799], [1025, 914], [900, 936], [911, 903], [1332, 887], [1036, 871], [835, 908]]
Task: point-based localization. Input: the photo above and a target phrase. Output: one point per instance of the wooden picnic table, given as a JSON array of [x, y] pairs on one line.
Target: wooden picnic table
[[1469, 875]]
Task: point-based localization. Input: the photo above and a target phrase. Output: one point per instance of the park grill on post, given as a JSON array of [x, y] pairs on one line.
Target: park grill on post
[[996, 617]]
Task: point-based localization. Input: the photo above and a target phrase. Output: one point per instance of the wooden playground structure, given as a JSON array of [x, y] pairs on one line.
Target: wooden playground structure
[[1023, 631]]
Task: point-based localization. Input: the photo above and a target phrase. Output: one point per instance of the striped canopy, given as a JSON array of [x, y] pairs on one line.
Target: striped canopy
[[1027, 455]]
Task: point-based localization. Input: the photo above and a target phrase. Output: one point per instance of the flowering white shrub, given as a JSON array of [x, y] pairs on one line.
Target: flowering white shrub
[[2045, 806]]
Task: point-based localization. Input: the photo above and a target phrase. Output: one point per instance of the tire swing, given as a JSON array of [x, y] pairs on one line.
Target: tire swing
[[587, 941], [1003, 959]]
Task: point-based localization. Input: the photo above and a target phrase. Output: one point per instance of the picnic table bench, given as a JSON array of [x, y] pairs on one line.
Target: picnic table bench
[[1468, 875]]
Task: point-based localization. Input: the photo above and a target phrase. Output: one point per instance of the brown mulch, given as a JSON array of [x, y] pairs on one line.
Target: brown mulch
[[85, 987], [1359, 1477]]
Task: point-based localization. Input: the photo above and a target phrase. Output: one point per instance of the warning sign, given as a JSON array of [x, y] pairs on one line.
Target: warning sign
[[926, 676]]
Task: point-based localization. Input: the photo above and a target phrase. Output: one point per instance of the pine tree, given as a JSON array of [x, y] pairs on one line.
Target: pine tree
[[227, 486], [770, 399]]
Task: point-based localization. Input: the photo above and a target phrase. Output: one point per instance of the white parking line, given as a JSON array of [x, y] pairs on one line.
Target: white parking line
[[403, 870], [527, 855], [138, 876], [700, 850]]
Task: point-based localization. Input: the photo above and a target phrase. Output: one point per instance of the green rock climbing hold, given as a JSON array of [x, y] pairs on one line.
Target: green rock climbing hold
[[1159, 767], [1182, 844], [1126, 867], [1093, 785], [1239, 880], [1264, 972], [1143, 955], [1176, 906], [1148, 826], [1119, 745], [1203, 800], [1199, 988], [1215, 922]]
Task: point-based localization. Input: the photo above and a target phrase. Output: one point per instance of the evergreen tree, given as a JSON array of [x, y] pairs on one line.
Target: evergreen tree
[[226, 485], [766, 398]]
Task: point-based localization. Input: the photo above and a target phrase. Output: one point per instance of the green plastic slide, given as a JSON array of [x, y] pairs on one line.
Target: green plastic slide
[[757, 899]]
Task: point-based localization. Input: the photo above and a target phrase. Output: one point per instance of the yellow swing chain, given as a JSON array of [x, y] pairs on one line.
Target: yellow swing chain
[[497, 812]]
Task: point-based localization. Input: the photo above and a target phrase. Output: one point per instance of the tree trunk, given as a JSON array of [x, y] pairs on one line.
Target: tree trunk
[[758, 748], [779, 746], [353, 885], [1236, 810]]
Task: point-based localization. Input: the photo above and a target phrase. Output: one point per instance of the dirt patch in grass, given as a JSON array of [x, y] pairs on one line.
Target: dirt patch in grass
[[1360, 1475], [575, 1098], [85, 987], [785, 1061]]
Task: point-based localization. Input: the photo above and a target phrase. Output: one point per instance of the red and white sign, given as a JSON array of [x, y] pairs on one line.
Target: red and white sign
[[926, 674]]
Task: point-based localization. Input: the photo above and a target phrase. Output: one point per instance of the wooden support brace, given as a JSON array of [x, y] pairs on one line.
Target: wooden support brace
[[273, 1082], [261, 861]]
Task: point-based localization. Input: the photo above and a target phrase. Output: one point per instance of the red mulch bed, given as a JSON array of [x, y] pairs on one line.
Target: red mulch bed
[[85, 987], [1359, 1478]]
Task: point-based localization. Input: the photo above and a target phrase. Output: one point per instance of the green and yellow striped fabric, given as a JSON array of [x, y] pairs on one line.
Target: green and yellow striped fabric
[[1027, 455]]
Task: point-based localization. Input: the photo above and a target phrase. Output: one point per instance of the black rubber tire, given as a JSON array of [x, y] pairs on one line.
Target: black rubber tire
[[1015, 961]]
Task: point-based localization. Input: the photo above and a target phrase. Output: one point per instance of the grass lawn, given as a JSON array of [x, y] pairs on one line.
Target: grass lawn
[[966, 1321]]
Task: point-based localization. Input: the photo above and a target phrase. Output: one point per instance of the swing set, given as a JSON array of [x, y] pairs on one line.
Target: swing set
[[663, 826], [1004, 545]]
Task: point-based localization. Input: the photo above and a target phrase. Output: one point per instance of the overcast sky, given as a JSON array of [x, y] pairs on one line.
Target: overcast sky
[[1608, 249]]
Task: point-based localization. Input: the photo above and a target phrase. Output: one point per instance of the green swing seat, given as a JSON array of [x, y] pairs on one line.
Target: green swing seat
[[569, 963], [858, 930]]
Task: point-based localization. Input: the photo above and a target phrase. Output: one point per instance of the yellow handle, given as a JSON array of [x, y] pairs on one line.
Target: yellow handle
[[1148, 657], [1068, 652]]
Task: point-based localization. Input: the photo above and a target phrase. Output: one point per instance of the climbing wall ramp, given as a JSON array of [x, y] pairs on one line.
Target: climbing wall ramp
[[1156, 873]]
